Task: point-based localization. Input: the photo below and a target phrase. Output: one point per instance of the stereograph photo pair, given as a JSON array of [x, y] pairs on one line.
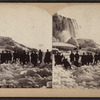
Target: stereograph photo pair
[[40, 48]]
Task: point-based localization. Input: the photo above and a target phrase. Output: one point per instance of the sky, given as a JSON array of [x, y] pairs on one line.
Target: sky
[[27, 25], [88, 20]]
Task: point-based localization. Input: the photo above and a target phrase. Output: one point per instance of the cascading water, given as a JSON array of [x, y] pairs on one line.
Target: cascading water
[[64, 28]]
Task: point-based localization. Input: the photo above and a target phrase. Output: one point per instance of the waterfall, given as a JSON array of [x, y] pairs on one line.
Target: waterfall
[[63, 27]]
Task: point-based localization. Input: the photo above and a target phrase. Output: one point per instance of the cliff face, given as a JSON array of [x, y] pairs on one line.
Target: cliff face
[[64, 28], [7, 43], [84, 43]]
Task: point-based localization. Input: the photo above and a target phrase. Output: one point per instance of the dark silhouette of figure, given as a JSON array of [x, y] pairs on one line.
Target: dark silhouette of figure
[[27, 59], [76, 63], [40, 56], [58, 58], [91, 58], [88, 58], [2, 57], [72, 58], [35, 59], [9, 56], [77, 56], [20, 57], [32, 57], [66, 63], [83, 59], [23, 57], [96, 58], [47, 58], [15, 55]]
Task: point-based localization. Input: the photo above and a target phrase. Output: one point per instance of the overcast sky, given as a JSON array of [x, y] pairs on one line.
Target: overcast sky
[[88, 19], [28, 25]]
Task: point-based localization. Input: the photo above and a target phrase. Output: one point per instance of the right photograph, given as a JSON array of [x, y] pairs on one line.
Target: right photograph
[[76, 47]]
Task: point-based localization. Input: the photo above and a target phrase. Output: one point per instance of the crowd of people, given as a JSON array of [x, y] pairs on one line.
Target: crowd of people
[[77, 59], [25, 57]]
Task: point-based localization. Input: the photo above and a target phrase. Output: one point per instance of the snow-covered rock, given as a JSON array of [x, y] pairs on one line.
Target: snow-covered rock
[[16, 75], [84, 77]]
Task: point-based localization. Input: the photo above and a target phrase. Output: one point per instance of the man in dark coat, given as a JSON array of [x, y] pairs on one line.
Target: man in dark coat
[[32, 57], [40, 56], [9, 56], [47, 58], [88, 58], [83, 59], [91, 58], [15, 56], [76, 63], [96, 58], [72, 57], [23, 57], [2, 57], [27, 60], [66, 64], [35, 59]]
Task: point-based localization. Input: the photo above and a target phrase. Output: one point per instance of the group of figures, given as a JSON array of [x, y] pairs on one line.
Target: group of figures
[[77, 60], [25, 57]]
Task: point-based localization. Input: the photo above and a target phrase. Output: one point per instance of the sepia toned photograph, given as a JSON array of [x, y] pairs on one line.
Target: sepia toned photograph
[[49, 50], [25, 47], [76, 47]]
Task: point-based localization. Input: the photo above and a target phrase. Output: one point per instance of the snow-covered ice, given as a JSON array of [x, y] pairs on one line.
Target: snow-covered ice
[[17, 75], [84, 77]]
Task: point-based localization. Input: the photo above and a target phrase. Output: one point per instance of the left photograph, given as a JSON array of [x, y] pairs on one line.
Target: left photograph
[[25, 47]]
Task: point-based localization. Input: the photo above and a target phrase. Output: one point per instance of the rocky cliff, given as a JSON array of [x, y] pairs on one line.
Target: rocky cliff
[[7, 43]]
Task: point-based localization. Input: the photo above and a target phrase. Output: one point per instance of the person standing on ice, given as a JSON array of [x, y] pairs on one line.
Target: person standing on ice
[[15, 56], [23, 57], [47, 58], [2, 57], [40, 56], [9, 56], [96, 58], [6, 57], [91, 58], [35, 58], [32, 57], [72, 57], [88, 58], [66, 63], [83, 59], [27, 58], [77, 59]]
